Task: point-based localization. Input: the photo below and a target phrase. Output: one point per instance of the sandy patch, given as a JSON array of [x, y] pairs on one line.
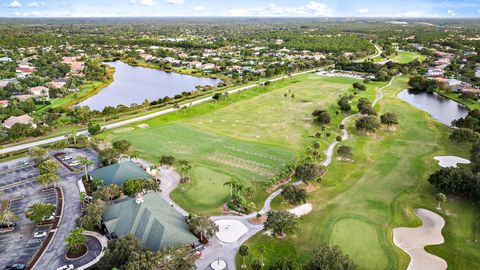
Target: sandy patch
[[123, 130], [413, 241], [142, 125], [450, 161], [230, 230], [301, 210]]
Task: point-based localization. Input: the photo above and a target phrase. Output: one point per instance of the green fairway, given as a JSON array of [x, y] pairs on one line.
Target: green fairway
[[216, 159], [277, 118], [402, 57], [387, 179], [229, 139], [355, 236]]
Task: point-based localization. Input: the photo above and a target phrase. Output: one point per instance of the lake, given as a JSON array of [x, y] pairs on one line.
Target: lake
[[440, 108], [135, 84]]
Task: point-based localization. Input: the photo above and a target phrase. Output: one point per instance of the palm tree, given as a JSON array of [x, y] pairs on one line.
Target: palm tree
[[82, 159], [75, 240], [244, 253], [440, 198], [232, 184], [9, 217]]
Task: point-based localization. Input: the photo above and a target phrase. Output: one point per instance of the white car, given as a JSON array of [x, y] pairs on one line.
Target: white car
[[40, 234], [67, 158], [75, 163], [66, 267]]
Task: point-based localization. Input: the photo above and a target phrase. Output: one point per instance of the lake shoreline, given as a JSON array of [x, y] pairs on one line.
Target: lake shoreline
[[133, 84], [175, 70]]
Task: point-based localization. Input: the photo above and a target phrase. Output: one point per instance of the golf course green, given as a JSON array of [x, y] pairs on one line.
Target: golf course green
[[358, 203]]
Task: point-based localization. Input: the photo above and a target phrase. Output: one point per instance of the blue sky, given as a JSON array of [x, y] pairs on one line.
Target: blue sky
[[260, 8]]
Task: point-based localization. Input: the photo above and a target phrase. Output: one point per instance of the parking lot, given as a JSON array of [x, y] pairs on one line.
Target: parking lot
[[18, 184]]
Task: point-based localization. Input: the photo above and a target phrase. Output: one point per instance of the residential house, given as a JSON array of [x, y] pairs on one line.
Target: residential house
[[39, 91], [22, 119], [208, 66], [3, 103], [23, 72]]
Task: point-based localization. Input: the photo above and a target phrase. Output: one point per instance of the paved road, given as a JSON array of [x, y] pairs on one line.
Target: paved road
[[137, 119], [53, 257]]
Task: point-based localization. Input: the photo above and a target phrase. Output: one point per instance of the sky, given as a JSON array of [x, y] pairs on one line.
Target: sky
[[240, 8]]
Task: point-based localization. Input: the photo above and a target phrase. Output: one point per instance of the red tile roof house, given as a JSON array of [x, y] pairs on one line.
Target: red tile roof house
[[22, 119], [22, 72], [3, 103]]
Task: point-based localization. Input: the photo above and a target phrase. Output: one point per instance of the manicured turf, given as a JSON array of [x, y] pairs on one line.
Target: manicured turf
[[355, 236], [230, 138], [403, 57], [275, 119], [223, 157], [381, 188]]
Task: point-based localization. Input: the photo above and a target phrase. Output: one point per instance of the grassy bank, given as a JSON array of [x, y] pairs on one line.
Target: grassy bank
[[85, 92]]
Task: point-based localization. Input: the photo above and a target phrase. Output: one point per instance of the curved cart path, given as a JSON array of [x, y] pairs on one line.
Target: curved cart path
[[414, 240], [227, 252]]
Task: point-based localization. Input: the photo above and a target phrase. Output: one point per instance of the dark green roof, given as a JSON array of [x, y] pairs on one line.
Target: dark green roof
[[119, 173], [154, 222]]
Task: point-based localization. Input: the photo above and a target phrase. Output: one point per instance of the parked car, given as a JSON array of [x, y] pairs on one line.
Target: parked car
[[25, 163], [66, 267], [40, 234], [66, 158], [8, 225], [15, 267]]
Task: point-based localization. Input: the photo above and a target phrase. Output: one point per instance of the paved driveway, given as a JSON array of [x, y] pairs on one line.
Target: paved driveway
[[18, 184]]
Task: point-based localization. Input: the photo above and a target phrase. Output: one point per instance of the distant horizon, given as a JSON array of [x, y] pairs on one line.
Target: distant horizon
[[245, 8]]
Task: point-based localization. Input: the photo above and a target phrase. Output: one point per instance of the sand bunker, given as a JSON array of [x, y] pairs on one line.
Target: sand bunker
[[230, 230], [413, 241], [301, 209], [450, 161], [142, 125]]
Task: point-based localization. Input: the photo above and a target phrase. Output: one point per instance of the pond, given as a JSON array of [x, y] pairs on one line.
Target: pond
[[135, 84], [440, 108]]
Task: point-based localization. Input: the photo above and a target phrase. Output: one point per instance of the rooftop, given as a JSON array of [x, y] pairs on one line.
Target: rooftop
[[119, 173], [154, 222]]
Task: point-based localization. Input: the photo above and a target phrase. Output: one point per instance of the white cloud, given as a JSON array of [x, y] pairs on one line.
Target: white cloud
[[29, 14], [35, 4], [15, 4], [313, 8], [145, 2], [175, 2], [363, 11], [199, 9], [451, 12]]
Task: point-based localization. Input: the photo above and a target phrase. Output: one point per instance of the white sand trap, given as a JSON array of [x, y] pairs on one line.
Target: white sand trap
[[301, 210], [450, 161], [142, 125], [413, 241], [230, 230]]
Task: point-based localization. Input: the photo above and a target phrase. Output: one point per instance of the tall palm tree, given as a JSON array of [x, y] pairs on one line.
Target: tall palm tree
[[75, 240], [82, 159], [232, 184]]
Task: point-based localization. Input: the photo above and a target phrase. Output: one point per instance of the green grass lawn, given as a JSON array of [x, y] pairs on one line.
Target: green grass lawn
[[215, 158], [358, 204], [230, 139], [403, 57]]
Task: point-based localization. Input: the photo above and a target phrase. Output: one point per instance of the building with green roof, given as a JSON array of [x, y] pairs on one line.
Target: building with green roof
[[154, 222], [120, 172]]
